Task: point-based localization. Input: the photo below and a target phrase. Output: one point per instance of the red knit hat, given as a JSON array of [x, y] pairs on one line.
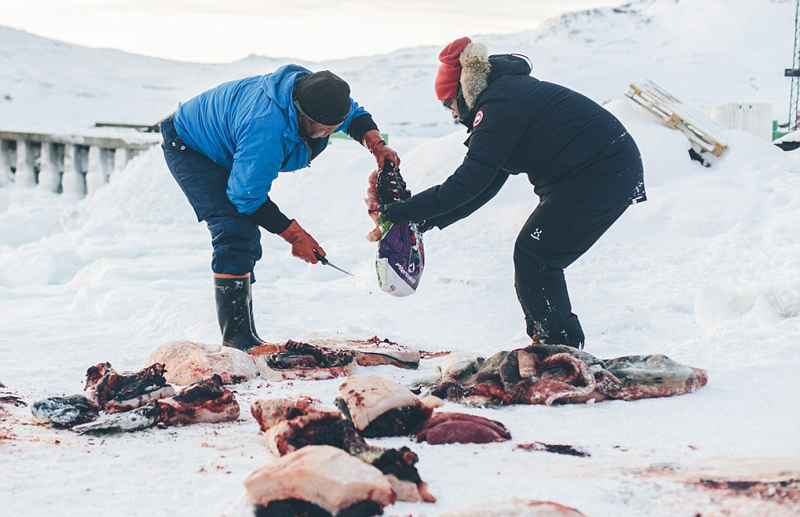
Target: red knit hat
[[446, 84]]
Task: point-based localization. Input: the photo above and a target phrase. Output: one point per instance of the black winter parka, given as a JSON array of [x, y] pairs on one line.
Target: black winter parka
[[573, 150]]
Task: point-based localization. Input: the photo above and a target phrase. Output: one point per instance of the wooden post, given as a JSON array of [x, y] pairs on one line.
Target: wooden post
[[25, 175], [49, 170], [73, 181], [97, 172], [5, 164]]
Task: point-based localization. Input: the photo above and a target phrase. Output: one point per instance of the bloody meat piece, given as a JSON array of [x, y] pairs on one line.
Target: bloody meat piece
[[444, 428], [556, 374], [384, 186], [206, 401], [299, 360], [188, 362], [291, 424], [107, 390], [323, 476], [305, 356], [115, 392], [380, 407], [368, 352]]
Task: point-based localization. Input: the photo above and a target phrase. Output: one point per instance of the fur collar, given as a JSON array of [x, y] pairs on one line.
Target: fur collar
[[475, 69]]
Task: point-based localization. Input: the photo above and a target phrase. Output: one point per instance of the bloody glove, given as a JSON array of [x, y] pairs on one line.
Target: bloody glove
[[373, 141], [303, 244], [394, 212]]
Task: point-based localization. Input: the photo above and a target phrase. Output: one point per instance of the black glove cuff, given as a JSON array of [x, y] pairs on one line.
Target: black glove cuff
[[360, 125], [270, 217], [427, 225], [395, 212]]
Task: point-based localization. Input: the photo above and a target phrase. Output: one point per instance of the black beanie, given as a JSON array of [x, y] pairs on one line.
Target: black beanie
[[323, 97]]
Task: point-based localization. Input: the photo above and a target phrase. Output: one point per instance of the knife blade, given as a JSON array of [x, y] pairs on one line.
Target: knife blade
[[327, 262]]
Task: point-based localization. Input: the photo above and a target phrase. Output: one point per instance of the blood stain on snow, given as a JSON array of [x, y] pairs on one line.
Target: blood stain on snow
[[568, 450], [785, 491]]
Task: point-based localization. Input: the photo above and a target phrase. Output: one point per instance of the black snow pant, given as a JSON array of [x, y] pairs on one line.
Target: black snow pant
[[555, 236], [235, 237]]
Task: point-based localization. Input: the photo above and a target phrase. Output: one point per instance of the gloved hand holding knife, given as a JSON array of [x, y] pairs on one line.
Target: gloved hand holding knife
[[305, 247]]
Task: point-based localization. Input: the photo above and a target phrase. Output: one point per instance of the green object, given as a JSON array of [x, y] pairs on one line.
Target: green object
[[344, 136], [776, 134]]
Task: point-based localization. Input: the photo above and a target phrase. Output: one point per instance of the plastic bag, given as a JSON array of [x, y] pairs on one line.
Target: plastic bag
[[401, 257]]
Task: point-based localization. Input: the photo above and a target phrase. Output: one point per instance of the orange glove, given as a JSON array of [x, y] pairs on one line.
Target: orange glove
[[303, 244], [373, 141]]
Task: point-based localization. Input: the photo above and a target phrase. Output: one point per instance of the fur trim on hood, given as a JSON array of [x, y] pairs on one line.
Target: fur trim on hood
[[475, 69]]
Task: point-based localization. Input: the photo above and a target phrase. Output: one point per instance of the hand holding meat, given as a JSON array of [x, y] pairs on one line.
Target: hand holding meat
[[303, 244], [395, 212], [386, 187], [380, 150]]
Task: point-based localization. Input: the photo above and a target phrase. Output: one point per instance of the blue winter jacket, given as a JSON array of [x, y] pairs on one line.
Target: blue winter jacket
[[250, 126]]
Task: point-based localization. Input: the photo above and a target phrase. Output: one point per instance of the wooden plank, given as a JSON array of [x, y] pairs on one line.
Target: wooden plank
[[698, 127]]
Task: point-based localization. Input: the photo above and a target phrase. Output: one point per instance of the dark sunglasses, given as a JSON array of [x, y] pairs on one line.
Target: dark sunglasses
[[448, 103]]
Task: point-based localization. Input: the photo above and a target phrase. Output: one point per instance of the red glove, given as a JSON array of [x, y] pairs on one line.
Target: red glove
[[303, 244], [377, 146]]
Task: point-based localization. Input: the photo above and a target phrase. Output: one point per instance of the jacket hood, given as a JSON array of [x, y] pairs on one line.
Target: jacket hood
[[478, 70], [508, 64], [475, 70]]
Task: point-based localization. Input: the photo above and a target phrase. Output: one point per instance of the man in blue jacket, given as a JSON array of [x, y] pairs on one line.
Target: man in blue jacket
[[583, 164], [226, 146]]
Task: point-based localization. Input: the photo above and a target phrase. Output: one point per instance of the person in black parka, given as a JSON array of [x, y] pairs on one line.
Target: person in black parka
[[584, 165]]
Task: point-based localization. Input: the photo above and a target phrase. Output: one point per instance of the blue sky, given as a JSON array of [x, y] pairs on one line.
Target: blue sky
[[227, 30]]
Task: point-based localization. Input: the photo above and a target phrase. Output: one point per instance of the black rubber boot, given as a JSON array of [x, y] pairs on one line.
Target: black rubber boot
[[253, 321], [235, 313]]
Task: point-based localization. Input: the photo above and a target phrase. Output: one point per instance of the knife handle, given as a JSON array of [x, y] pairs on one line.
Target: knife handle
[[320, 257]]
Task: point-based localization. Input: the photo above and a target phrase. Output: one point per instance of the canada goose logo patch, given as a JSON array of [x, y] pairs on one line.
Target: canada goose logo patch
[[478, 118]]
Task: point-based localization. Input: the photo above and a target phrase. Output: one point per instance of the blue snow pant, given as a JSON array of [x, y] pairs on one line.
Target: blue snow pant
[[235, 237], [555, 236]]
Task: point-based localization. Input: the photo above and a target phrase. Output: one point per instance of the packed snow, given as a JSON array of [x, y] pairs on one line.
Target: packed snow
[[706, 272]]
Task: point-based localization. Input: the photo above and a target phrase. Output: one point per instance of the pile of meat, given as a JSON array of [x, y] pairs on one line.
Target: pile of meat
[[379, 407], [369, 407], [327, 468], [555, 374], [291, 425], [187, 362], [120, 402]]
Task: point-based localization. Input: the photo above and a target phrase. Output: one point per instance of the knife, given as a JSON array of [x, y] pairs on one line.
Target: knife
[[325, 261]]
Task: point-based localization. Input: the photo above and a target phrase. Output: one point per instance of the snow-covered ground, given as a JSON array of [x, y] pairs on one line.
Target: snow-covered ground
[[706, 271]]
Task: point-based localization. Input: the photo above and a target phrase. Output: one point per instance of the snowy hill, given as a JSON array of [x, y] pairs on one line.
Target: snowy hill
[[706, 271], [704, 51]]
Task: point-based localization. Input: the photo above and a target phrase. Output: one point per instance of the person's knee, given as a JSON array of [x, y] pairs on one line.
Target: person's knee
[[528, 255], [236, 242], [232, 229]]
